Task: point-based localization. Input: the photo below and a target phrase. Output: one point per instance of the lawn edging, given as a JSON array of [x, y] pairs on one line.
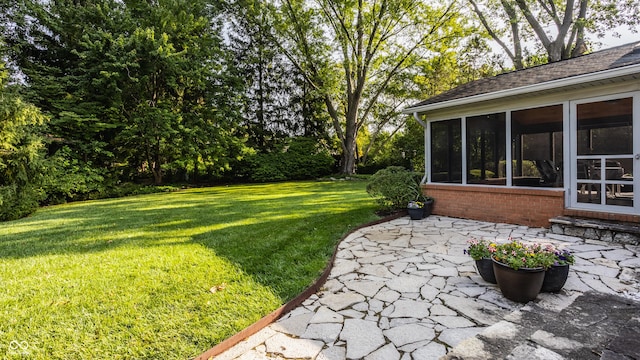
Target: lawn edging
[[295, 302]]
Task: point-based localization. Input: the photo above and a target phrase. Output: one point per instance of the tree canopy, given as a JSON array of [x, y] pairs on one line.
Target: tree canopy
[[175, 90], [133, 84], [352, 52], [558, 29]]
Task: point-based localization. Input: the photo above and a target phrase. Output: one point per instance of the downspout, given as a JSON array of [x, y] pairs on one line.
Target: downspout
[[426, 162]]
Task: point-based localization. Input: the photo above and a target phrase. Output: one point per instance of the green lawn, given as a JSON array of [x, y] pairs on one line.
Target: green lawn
[[132, 277]]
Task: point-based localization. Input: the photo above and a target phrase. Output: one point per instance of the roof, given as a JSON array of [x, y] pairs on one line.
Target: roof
[[609, 59]]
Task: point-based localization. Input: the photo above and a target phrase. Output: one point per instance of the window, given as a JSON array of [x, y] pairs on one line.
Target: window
[[486, 149], [536, 141], [446, 151], [536, 146]]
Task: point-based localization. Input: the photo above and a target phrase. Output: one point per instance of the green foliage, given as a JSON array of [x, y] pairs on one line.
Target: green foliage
[[17, 201], [394, 187], [276, 102], [301, 158], [354, 53], [21, 153], [146, 86], [406, 148], [534, 32], [476, 174], [70, 179]]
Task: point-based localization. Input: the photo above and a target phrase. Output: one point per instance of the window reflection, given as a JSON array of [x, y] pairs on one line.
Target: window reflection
[[599, 123], [537, 146], [486, 149], [446, 151]]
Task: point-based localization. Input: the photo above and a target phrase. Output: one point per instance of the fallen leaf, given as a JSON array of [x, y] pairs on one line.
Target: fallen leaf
[[217, 288]]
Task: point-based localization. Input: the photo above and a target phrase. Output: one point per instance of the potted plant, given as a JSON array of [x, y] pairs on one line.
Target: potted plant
[[396, 188], [520, 269], [481, 251], [420, 208], [556, 275], [428, 205], [415, 209]]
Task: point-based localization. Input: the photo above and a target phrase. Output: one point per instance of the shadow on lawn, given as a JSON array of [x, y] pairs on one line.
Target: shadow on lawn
[[268, 235]]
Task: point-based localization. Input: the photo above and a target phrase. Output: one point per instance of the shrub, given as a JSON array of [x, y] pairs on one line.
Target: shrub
[[394, 187], [18, 201], [300, 159], [69, 179]]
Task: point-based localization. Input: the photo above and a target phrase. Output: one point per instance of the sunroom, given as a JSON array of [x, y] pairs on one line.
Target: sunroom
[[529, 145]]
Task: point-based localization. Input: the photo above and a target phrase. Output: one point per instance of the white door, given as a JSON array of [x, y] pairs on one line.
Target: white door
[[605, 154]]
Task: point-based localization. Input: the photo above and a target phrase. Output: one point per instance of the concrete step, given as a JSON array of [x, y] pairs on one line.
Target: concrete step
[[609, 231]]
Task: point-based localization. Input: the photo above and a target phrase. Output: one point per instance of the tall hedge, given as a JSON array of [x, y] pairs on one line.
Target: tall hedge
[[299, 159]]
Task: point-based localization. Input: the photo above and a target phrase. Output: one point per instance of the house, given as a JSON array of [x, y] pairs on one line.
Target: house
[[560, 139]]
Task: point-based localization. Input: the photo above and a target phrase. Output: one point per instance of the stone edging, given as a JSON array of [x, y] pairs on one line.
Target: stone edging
[[295, 302]]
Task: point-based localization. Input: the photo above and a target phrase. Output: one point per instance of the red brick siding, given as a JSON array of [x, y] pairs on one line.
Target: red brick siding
[[602, 216], [531, 207]]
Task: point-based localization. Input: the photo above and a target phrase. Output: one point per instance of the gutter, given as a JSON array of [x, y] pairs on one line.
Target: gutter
[[545, 86], [426, 143]]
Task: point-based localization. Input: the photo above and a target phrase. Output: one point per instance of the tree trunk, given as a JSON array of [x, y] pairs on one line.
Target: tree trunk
[[157, 166], [349, 154], [349, 159]]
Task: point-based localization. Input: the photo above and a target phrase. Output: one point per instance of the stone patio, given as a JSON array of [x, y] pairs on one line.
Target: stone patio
[[404, 289]]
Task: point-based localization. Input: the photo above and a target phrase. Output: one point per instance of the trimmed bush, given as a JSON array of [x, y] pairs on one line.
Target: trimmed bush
[[300, 159], [394, 187]]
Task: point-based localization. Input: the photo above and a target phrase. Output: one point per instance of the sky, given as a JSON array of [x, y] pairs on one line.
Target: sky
[[627, 36]]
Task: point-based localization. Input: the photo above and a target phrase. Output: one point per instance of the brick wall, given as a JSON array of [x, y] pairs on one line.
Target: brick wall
[[602, 216], [531, 207]]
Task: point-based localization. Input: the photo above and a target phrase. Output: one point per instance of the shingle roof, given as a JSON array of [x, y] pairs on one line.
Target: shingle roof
[[623, 55]]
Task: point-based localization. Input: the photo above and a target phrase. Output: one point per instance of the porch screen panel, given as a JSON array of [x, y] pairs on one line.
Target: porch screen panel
[[446, 151], [604, 161], [486, 149], [537, 147]]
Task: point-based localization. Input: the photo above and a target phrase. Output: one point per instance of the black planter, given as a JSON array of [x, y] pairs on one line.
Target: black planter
[[428, 207], [554, 278], [416, 213], [522, 285], [485, 269]]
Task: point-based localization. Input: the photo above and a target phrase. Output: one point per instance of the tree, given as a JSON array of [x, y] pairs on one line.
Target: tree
[[135, 84], [351, 51], [42, 44], [21, 153], [558, 27], [277, 101]]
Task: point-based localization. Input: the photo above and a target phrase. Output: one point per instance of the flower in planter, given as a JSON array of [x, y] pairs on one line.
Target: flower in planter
[[516, 255], [415, 205], [562, 256], [480, 249]]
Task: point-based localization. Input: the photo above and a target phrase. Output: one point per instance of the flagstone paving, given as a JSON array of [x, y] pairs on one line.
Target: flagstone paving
[[404, 289]]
